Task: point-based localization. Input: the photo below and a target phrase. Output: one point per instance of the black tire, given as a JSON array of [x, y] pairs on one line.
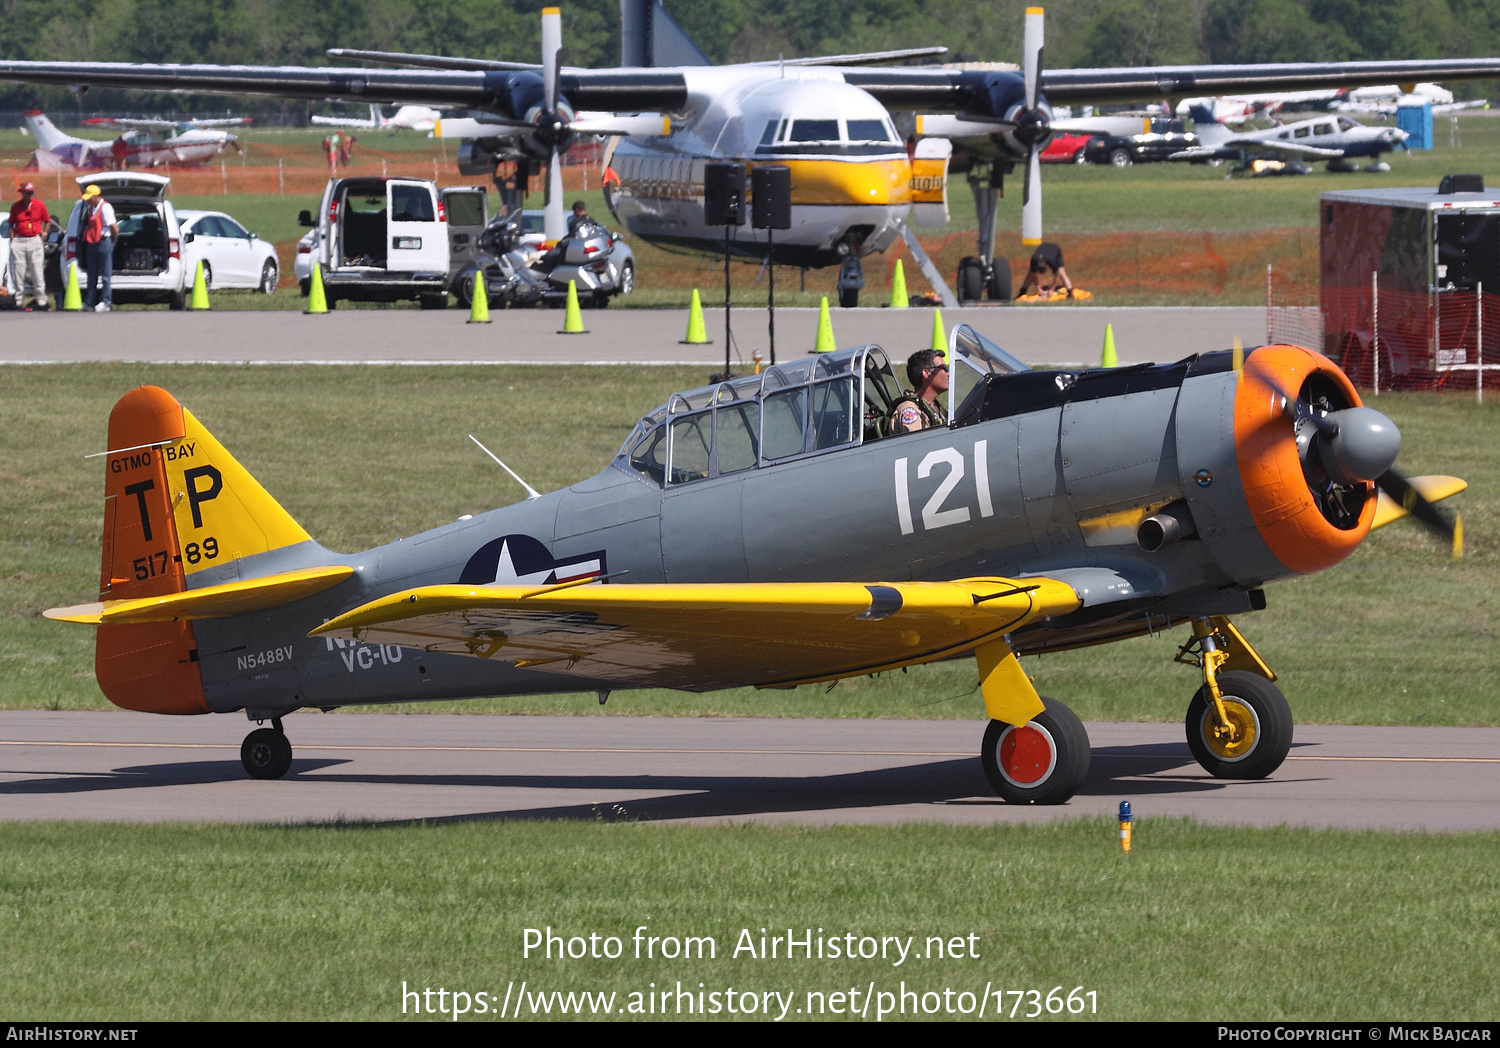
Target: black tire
[[999, 286], [177, 301], [1081, 157], [848, 298], [1251, 701], [1120, 157], [270, 276], [433, 301], [627, 277], [266, 754], [330, 301], [598, 300], [305, 286], [970, 280], [463, 289], [1055, 734]]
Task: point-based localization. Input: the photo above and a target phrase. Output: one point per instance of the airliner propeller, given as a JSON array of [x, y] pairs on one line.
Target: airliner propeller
[[550, 126]]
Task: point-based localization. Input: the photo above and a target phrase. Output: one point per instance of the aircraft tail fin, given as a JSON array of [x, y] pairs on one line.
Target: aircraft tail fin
[[176, 503], [1207, 127], [45, 132], [651, 37]]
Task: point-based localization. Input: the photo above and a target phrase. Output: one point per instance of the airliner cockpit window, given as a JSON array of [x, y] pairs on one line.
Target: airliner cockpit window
[[770, 135], [868, 131], [815, 131]]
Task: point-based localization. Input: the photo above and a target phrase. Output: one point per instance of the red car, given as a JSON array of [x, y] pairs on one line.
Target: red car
[[1065, 149]]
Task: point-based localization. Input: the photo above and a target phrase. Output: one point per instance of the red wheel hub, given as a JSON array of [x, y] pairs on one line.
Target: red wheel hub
[[1026, 755]]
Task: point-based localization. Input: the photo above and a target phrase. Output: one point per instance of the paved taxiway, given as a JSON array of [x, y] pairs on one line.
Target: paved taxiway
[[1042, 335], [437, 767]]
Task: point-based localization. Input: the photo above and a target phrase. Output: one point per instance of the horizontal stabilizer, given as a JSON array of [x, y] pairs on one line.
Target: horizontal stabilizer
[[704, 636], [209, 602], [1433, 489]]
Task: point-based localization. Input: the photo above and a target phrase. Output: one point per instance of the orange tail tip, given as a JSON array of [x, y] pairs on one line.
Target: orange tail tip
[[151, 667]]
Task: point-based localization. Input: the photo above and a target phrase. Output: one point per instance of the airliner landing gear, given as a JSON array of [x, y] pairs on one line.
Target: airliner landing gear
[[984, 275], [1043, 762], [1239, 725], [266, 753]]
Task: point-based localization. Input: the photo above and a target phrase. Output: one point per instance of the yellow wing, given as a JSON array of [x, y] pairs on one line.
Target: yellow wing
[[704, 637]]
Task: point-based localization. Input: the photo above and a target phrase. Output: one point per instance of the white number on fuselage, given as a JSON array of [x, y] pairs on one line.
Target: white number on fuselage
[[933, 514]]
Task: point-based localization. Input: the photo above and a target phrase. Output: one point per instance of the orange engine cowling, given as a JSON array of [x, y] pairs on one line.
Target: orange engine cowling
[[1307, 529], [152, 667]]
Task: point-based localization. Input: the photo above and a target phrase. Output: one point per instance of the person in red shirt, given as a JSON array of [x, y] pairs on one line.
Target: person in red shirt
[[28, 232]]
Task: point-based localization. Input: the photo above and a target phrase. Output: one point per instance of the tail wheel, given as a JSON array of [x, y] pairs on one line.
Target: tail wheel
[[1259, 733], [266, 754], [1042, 762]]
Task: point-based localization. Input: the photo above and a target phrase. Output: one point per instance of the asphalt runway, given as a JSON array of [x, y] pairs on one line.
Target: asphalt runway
[[1062, 335], [107, 766]]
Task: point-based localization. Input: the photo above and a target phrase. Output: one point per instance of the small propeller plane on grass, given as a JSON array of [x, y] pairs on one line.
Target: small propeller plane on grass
[[1056, 509]]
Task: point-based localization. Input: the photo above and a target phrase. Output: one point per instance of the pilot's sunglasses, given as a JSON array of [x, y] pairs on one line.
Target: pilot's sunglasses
[[938, 367]]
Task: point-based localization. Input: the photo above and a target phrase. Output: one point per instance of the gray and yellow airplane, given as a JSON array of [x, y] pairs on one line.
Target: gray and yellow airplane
[[828, 118], [1056, 509]]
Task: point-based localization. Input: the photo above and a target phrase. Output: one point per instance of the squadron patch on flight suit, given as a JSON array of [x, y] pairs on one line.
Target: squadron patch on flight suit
[[910, 415]]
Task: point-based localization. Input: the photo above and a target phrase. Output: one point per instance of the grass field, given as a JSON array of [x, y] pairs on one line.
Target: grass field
[[1396, 635], [1153, 234], [1206, 924]]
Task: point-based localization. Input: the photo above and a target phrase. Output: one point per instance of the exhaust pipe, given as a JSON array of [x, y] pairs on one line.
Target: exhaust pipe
[[1172, 523]]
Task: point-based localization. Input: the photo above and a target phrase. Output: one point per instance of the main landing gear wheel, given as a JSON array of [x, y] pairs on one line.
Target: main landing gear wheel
[[266, 754], [1043, 762], [1259, 733]]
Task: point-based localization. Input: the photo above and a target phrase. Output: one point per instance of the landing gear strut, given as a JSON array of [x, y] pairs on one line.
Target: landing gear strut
[[266, 753], [1239, 725], [984, 275]]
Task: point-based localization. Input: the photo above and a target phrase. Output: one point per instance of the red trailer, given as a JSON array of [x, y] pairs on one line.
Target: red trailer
[[1410, 279]]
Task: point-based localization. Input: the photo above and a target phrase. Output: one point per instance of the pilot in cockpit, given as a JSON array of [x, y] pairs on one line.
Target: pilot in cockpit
[[928, 373]]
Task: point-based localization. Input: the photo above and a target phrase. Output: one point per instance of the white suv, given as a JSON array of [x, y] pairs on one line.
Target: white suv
[[148, 252]]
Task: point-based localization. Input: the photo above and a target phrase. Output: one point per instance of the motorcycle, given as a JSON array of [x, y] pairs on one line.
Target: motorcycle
[[517, 273]]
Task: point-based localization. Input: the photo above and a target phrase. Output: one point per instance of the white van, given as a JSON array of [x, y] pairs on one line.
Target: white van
[[381, 240], [148, 252]]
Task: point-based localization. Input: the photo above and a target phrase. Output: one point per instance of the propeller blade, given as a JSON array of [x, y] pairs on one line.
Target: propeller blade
[[1031, 199], [1416, 504], [554, 221], [551, 44], [1033, 57], [468, 127], [610, 124]]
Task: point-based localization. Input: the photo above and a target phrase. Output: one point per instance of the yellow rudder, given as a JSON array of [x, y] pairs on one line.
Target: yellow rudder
[[221, 511]]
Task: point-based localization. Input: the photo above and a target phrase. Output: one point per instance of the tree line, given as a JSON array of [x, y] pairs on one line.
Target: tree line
[[1079, 33]]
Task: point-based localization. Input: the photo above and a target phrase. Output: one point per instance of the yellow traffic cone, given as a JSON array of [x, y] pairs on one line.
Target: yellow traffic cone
[[824, 343], [939, 336], [317, 301], [200, 289], [479, 304], [1109, 359], [72, 297], [899, 298], [573, 322], [697, 335]]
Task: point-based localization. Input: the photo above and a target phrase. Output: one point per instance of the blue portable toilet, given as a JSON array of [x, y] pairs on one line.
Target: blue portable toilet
[[1416, 121]]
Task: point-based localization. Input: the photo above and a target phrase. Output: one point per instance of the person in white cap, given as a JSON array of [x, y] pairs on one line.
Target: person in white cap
[[28, 231], [97, 228]]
